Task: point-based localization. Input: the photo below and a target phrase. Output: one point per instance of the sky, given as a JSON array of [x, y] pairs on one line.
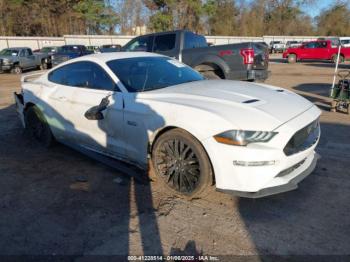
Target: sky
[[315, 8]]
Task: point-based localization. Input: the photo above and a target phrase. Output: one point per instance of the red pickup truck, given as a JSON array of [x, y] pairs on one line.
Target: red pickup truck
[[316, 50]]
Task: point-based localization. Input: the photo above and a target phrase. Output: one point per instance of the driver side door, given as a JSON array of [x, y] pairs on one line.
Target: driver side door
[[92, 84]]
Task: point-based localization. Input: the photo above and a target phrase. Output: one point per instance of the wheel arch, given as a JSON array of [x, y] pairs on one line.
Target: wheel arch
[[211, 66], [166, 129]]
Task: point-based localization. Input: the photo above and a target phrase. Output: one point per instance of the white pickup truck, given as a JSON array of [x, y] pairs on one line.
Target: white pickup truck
[[277, 46]]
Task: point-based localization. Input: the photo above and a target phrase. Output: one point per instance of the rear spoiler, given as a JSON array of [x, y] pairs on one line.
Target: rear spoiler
[[28, 77]]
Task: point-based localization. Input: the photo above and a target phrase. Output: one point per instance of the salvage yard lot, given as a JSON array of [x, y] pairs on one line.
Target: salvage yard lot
[[60, 202]]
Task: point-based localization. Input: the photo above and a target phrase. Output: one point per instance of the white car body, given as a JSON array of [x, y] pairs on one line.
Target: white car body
[[345, 41], [202, 108]]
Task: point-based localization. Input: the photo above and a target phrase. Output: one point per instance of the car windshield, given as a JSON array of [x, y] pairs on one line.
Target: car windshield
[[140, 74], [68, 49], [9, 52]]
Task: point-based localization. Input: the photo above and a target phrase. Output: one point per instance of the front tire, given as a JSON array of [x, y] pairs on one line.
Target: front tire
[[16, 70], [37, 127], [292, 59], [181, 163]]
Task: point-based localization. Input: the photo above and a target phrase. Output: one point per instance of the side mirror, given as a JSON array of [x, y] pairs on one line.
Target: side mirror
[[95, 112]]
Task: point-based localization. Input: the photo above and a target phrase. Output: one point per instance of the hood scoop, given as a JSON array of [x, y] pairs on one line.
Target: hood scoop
[[251, 101]]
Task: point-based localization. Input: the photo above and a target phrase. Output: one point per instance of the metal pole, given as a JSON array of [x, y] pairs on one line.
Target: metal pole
[[336, 66]]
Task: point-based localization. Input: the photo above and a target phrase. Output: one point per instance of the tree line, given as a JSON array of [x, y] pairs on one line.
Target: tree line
[[210, 17]]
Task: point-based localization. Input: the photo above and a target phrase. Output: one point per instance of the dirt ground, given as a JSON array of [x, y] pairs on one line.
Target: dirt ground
[[60, 202]]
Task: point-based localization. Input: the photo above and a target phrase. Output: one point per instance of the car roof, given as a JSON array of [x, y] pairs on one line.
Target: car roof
[[17, 48], [105, 57]]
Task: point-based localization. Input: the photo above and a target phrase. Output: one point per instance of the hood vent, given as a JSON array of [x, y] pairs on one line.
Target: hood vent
[[280, 90], [250, 101]]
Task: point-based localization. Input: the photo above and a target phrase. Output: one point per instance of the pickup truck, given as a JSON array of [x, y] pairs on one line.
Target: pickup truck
[[17, 59], [67, 52], [277, 46], [316, 50], [242, 61]]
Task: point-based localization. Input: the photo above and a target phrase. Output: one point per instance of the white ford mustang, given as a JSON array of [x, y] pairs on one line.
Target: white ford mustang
[[249, 139]]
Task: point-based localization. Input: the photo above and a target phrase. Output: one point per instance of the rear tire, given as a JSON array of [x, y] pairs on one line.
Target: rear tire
[[211, 75], [292, 59], [181, 163], [38, 128], [334, 59], [334, 106]]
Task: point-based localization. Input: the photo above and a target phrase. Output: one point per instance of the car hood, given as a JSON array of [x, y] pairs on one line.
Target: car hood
[[8, 57], [248, 106], [70, 55]]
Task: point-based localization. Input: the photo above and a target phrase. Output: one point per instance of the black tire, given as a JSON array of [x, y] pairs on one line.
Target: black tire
[[37, 127], [292, 58], [16, 70], [181, 163], [43, 65], [334, 59], [333, 106], [210, 75]]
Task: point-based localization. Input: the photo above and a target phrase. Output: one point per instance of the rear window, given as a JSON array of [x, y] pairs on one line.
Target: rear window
[[164, 42]]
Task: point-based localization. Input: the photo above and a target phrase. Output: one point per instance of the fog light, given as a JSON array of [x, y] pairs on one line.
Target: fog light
[[254, 163]]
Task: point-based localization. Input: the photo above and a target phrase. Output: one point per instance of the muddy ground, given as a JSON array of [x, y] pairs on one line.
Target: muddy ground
[[45, 210]]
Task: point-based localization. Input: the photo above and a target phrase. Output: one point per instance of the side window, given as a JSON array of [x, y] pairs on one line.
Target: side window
[[78, 74], [100, 79], [164, 42], [190, 40], [29, 51], [322, 45], [202, 42], [83, 74], [58, 76], [22, 53], [310, 45], [143, 43]]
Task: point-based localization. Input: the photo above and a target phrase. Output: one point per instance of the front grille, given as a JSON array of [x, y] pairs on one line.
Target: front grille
[[303, 139]]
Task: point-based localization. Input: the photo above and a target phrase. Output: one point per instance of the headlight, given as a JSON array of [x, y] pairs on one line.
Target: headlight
[[6, 61], [243, 138]]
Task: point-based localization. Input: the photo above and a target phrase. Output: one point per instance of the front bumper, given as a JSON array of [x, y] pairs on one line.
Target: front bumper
[[5, 67], [269, 169], [249, 74], [291, 185]]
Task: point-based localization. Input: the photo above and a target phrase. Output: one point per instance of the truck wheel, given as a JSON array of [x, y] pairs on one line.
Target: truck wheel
[[333, 106], [210, 75], [37, 127], [16, 70], [181, 163], [43, 65], [334, 59], [292, 58]]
